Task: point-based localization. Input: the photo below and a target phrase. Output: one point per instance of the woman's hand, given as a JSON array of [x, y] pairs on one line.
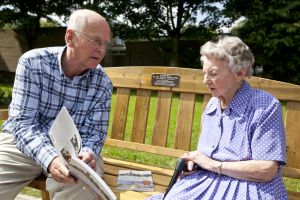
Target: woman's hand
[[189, 157], [203, 161], [249, 170]]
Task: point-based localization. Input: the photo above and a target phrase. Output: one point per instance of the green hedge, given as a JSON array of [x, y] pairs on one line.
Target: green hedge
[[5, 97]]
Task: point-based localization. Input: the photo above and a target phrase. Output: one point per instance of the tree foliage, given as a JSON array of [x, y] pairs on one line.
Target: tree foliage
[[272, 30], [168, 19], [140, 19], [26, 14]]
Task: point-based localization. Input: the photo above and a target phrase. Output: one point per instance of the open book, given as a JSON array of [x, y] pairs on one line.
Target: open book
[[135, 180], [67, 141]]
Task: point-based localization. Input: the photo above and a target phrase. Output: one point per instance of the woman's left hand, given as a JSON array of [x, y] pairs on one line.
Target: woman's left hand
[[198, 158], [250, 170]]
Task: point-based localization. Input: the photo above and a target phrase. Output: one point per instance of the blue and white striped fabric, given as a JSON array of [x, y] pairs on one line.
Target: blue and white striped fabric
[[41, 89]]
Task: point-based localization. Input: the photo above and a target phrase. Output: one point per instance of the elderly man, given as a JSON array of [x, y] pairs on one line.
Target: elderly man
[[47, 79]]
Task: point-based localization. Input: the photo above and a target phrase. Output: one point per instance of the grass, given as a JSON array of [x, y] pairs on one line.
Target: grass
[[292, 184], [31, 191], [146, 158]]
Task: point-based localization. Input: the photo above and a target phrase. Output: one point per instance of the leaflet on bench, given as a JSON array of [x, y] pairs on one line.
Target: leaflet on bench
[[135, 180]]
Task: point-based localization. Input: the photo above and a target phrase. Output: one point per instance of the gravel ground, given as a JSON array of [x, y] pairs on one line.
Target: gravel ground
[[26, 197]]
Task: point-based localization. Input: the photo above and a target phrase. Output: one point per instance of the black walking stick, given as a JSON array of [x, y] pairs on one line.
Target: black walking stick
[[180, 165]]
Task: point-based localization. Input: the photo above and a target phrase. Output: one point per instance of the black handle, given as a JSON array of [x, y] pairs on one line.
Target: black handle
[[180, 165]]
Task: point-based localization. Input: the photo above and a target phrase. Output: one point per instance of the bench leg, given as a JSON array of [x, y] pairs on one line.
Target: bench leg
[[45, 195]]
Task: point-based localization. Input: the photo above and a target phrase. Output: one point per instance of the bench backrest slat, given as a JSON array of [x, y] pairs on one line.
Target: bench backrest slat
[[292, 125], [206, 98], [121, 109], [3, 114], [184, 124], [140, 116], [162, 117]]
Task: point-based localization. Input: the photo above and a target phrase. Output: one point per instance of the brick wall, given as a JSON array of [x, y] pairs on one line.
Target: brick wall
[[10, 50]]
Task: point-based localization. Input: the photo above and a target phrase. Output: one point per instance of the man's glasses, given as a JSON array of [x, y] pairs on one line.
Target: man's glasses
[[94, 42]]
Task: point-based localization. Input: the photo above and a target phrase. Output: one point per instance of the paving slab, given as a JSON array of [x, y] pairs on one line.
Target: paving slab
[[26, 197]]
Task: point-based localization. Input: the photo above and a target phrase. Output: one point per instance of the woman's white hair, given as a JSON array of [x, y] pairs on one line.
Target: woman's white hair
[[231, 49]]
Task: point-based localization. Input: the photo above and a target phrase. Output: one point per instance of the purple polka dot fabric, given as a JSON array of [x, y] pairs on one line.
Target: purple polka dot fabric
[[250, 128]]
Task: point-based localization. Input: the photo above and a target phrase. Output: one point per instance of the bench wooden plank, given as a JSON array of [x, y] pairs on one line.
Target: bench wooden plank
[[140, 116], [132, 195], [162, 117], [164, 151], [206, 98], [39, 183], [185, 121], [128, 77], [191, 81], [290, 172], [3, 114], [281, 90], [131, 165], [292, 122], [120, 115], [293, 195]]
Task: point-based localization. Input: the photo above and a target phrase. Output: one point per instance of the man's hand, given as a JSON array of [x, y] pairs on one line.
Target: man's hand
[[88, 158], [60, 172]]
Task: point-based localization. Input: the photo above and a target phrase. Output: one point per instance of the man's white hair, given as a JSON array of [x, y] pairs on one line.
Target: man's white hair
[[79, 19]]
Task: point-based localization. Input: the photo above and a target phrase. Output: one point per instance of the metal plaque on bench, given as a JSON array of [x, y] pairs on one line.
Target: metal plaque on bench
[[165, 80]]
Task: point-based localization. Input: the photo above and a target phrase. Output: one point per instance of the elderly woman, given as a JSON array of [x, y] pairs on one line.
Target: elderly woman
[[242, 141]]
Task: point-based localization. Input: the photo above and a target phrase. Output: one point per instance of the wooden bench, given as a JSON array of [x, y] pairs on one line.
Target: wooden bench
[[136, 84]]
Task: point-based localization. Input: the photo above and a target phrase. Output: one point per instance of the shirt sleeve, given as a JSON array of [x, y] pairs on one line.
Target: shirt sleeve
[[23, 116], [94, 130], [268, 140]]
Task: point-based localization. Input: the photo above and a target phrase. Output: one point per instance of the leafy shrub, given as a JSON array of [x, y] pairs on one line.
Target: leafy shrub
[[5, 98]]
